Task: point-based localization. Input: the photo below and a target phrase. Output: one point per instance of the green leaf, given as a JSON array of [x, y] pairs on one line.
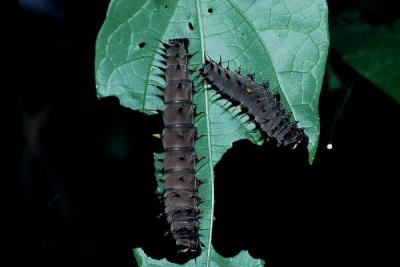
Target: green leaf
[[158, 167], [283, 42], [333, 80], [373, 52], [216, 260]]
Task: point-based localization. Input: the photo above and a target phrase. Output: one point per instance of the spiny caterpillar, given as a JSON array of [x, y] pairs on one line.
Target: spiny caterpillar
[[260, 103], [181, 199]]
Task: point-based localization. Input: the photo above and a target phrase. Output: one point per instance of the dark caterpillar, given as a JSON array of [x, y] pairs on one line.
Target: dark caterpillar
[[260, 103], [180, 198]]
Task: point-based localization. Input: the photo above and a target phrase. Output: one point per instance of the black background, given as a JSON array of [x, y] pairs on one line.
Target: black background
[[85, 166]]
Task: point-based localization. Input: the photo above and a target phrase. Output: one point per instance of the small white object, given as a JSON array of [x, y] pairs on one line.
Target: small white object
[[329, 146]]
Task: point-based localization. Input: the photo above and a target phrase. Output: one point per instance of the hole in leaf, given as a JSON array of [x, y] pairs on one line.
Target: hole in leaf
[[142, 44], [210, 10], [190, 26], [166, 6]]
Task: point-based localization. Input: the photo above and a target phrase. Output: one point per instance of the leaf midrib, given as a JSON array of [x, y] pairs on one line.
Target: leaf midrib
[[207, 118]]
